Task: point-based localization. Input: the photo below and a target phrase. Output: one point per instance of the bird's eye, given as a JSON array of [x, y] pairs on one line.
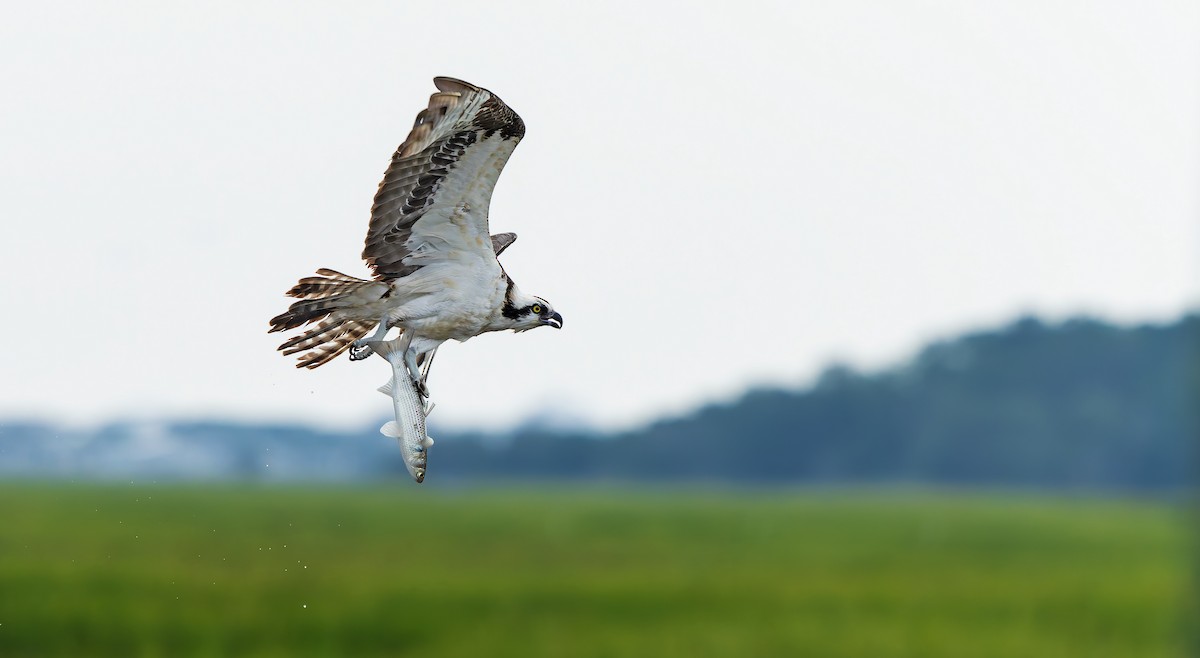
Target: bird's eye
[[536, 308]]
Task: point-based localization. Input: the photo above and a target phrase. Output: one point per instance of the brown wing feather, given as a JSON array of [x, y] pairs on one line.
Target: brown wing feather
[[501, 241], [457, 116]]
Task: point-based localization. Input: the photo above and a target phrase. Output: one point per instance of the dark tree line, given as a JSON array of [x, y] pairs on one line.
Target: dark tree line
[[1079, 404]]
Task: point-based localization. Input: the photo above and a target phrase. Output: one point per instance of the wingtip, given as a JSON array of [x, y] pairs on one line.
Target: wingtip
[[502, 241], [446, 83]]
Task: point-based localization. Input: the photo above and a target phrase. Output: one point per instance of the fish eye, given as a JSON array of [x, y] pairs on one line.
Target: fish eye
[[536, 308]]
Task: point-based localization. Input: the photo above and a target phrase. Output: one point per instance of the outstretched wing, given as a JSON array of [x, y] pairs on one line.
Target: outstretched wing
[[433, 200]]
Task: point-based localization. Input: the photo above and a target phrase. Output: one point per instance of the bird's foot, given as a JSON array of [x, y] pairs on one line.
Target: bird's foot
[[360, 350], [422, 389]]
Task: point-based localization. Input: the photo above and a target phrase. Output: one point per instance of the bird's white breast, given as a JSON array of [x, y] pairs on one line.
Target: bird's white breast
[[463, 306]]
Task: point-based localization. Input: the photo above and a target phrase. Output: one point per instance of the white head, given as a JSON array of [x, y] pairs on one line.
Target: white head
[[523, 312]]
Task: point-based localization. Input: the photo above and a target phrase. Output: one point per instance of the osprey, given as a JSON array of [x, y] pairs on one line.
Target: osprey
[[436, 271]]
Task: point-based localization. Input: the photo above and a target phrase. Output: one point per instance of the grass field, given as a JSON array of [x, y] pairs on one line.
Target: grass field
[[173, 571]]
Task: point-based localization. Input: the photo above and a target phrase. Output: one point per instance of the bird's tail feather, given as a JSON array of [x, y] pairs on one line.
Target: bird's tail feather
[[320, 299], [326, 341], [331, 283]]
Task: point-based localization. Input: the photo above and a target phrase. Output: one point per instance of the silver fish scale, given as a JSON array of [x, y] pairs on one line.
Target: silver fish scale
[[409, 427]]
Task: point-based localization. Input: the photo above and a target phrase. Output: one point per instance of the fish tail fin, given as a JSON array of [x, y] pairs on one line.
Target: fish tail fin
[[386, 348], [394, 350]]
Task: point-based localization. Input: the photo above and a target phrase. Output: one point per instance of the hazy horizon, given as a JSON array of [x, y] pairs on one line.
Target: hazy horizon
[[563, 419]]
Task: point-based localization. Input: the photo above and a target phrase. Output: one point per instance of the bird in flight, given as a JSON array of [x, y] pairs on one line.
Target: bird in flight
[[436, 272]]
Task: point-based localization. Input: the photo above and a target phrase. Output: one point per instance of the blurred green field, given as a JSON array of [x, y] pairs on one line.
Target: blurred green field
[[138, 570]]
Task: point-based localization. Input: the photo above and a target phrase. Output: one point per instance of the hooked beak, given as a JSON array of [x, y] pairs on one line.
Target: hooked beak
[[555, 320]]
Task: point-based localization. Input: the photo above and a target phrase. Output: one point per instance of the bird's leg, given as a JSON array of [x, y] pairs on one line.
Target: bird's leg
[[410, 360], [424, 380], [360, 350]]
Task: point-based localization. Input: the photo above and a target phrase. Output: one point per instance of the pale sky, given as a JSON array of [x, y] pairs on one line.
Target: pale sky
[[713, 196]]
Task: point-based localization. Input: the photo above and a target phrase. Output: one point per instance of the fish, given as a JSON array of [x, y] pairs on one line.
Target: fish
[[411, 411]]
